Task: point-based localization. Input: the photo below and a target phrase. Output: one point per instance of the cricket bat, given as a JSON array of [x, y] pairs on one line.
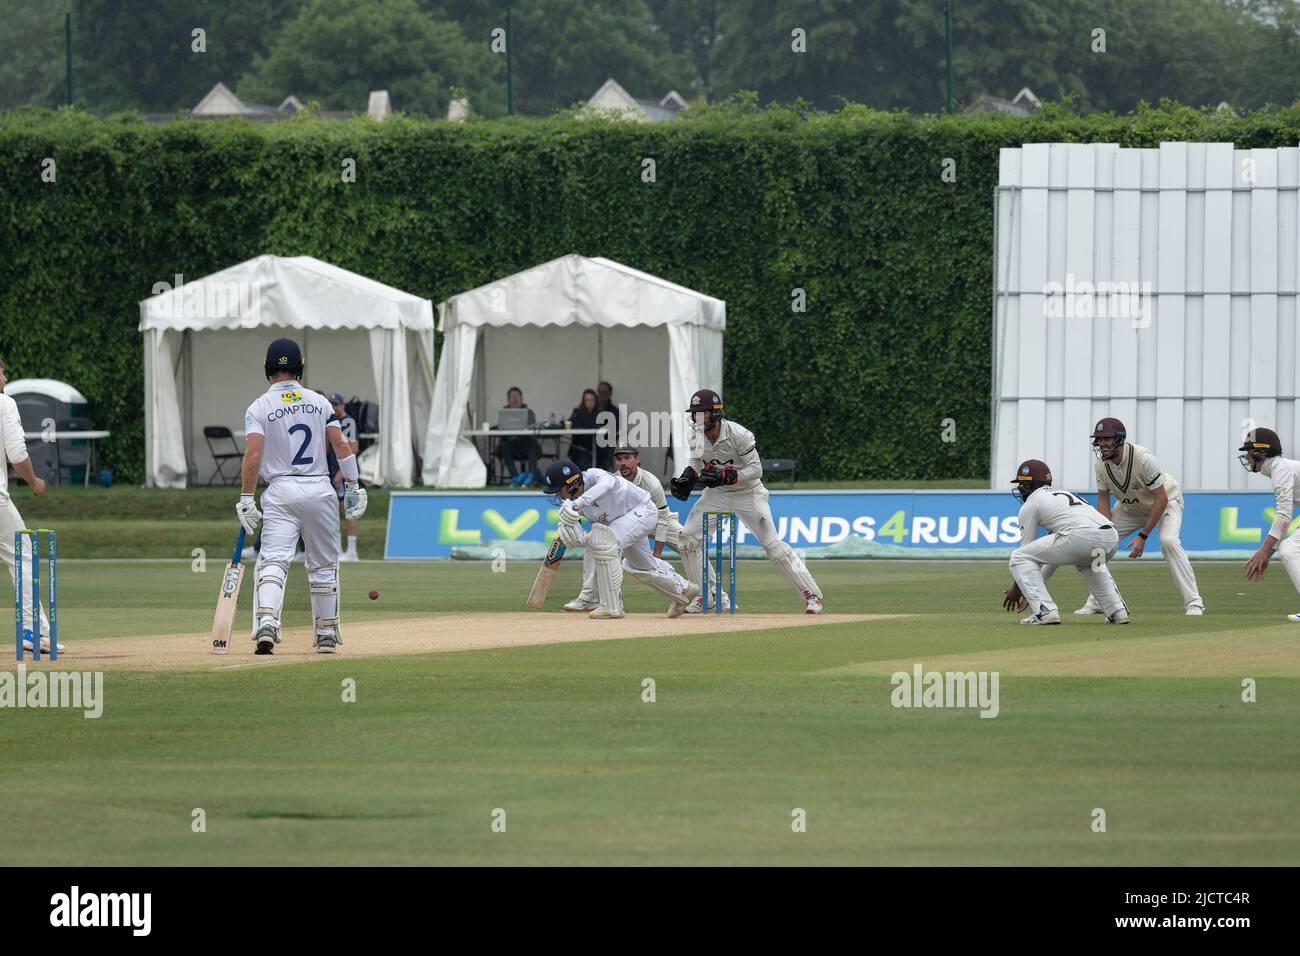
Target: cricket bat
[[228, 599], [546, 575]]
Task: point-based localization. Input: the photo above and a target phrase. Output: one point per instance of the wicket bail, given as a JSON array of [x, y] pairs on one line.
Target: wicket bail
[[20, 634]]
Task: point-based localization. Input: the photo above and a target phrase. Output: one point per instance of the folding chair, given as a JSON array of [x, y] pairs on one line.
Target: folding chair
[[220, 433], [776, 465]]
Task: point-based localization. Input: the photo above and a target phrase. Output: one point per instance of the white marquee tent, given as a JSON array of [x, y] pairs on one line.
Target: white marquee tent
[[556, 329], [205, 341]]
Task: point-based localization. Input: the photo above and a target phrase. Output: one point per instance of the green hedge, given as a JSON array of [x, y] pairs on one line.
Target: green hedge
[[748, 206]]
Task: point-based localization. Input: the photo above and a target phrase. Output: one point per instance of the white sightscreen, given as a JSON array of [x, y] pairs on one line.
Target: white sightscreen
[[1204, 343]]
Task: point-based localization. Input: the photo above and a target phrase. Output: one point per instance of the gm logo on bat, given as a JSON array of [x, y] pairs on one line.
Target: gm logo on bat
[[219, 643]]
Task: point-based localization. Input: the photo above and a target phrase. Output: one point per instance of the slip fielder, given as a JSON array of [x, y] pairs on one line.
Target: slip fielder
[[1078, 535], [1261, 453], [1147, 497]]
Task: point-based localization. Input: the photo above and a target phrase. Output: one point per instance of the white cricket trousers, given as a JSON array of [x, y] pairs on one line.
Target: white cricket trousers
[[632, 531], [11, 521], [1171, 548], [667, 529], [292, 507], [1088, 549], [1288, 551]]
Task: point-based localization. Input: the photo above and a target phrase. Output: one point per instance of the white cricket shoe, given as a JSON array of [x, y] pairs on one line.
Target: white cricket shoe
[[1195, 611], [1294, 618], [45, 645], [605, 614], [1051, 617], [1089, 608], [581, 604], [678, 608], [812, 604], [348, 556], [1119, 617]]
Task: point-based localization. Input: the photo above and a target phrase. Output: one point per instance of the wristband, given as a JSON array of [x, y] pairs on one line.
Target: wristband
[[1142, 535], [348, 468]]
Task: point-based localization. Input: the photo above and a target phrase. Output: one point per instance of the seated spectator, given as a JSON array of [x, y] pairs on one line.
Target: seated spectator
[[605, 449], [584, 416], [516, 448]]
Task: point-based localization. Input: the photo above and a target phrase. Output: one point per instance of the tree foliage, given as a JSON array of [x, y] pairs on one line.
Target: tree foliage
[[749, 205], [336, 51], [888, 54]]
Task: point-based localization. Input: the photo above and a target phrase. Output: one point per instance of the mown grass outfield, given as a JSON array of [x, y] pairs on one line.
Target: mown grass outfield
[[1145, 721]]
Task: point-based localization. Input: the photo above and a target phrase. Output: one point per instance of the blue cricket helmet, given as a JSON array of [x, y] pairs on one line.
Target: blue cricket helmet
[[560, 474]]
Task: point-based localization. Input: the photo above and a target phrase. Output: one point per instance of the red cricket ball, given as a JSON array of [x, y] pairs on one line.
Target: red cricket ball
[[374, 595]]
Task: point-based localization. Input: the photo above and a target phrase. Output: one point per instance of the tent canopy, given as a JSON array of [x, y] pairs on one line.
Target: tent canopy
[[204, 343], [556, 329]]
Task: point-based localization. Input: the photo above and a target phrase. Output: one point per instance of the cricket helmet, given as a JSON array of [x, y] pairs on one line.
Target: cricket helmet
[[283, 355], [1030, 476], [705, 400], [1113, 429], [561, 475], [1260, 445]]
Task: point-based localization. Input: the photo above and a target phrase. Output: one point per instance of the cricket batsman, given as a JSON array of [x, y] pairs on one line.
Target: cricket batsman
[[288, 428], [725, 463], [668, 530], [622, 518]]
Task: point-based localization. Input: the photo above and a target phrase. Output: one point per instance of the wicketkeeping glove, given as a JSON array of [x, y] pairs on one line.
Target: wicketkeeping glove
[[711, 476], [682, 485]]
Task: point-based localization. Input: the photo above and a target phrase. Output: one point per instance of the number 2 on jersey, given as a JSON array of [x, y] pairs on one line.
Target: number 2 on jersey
[[302, 458]]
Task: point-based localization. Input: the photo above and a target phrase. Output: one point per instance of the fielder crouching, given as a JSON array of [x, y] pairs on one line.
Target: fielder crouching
[[725, 462], [1078, 534]]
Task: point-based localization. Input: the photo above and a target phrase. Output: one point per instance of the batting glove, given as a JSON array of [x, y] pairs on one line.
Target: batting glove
[[354, 500], [570, 535], [248, 514]]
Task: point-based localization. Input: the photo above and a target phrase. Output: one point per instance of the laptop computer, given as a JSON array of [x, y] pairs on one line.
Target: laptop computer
[[512, 419]]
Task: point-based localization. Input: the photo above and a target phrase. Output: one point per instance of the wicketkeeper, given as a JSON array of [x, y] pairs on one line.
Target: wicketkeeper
[[725, 462]]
